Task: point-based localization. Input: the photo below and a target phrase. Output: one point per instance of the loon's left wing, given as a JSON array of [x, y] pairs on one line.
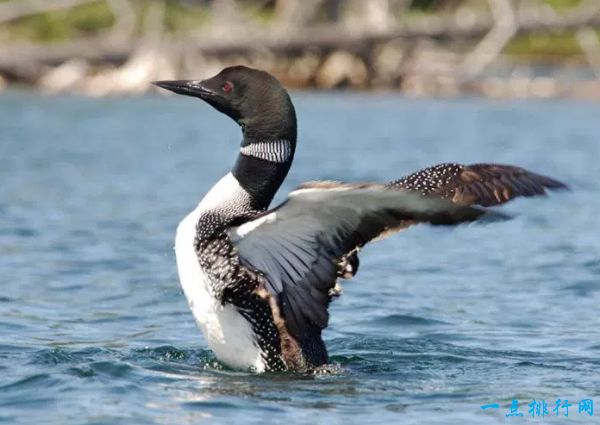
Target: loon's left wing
[[477, 184], [297, 245]]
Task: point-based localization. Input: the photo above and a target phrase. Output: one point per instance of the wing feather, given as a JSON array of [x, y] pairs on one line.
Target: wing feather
[[297, 249], [477, 184]]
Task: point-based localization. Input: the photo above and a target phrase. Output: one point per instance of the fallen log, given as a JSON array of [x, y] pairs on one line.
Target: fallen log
[[112, 50]]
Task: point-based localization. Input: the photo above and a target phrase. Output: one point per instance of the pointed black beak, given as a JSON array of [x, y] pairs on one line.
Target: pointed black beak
[[192, 88]]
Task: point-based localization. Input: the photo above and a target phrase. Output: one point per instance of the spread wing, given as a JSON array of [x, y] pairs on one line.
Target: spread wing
[[477, 184], [298, 244]]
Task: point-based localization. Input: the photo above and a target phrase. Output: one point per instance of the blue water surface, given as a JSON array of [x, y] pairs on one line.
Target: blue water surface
[[94, 328]]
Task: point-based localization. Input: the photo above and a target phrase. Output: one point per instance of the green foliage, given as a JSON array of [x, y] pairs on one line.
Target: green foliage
[[180, 18], [61, 25], [548, 46], [563, 4], [94, 18]]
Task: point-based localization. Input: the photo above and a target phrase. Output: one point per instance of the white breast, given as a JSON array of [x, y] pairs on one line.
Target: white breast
[[228, 334]]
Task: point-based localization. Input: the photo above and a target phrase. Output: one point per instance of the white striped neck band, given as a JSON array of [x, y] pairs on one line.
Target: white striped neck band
[[279, 150]]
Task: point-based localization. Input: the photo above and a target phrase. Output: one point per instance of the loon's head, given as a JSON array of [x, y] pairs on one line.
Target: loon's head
[[255, 99]]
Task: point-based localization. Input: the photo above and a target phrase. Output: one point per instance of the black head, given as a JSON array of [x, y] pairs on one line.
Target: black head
[[255, 99]]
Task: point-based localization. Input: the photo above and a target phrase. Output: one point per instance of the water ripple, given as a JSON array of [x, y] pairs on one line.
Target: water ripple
[[94, 327]]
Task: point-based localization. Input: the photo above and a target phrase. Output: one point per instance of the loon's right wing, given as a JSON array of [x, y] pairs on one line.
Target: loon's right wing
[[477, 184], [297, 245]]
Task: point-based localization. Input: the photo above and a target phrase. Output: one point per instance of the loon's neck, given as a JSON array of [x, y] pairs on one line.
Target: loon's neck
[[261, 168], [249, 188], [266, 154]]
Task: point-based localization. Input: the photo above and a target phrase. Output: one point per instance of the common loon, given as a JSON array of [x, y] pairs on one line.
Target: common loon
[[259, 281]]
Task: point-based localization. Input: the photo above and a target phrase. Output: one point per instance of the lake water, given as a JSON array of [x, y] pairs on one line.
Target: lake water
[[94, 328]]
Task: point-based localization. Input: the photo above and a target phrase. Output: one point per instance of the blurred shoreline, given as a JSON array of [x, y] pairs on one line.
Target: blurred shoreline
[[439, 48]]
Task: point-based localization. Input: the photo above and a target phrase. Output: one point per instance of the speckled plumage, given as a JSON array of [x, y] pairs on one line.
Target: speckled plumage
[[235, 284], [481, 184], [429, 179]]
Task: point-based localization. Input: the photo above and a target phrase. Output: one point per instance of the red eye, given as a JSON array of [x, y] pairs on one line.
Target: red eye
[[227, 87]]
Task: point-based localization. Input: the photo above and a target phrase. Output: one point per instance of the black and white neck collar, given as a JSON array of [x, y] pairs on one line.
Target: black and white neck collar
[[278, 150], [261, 167]]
